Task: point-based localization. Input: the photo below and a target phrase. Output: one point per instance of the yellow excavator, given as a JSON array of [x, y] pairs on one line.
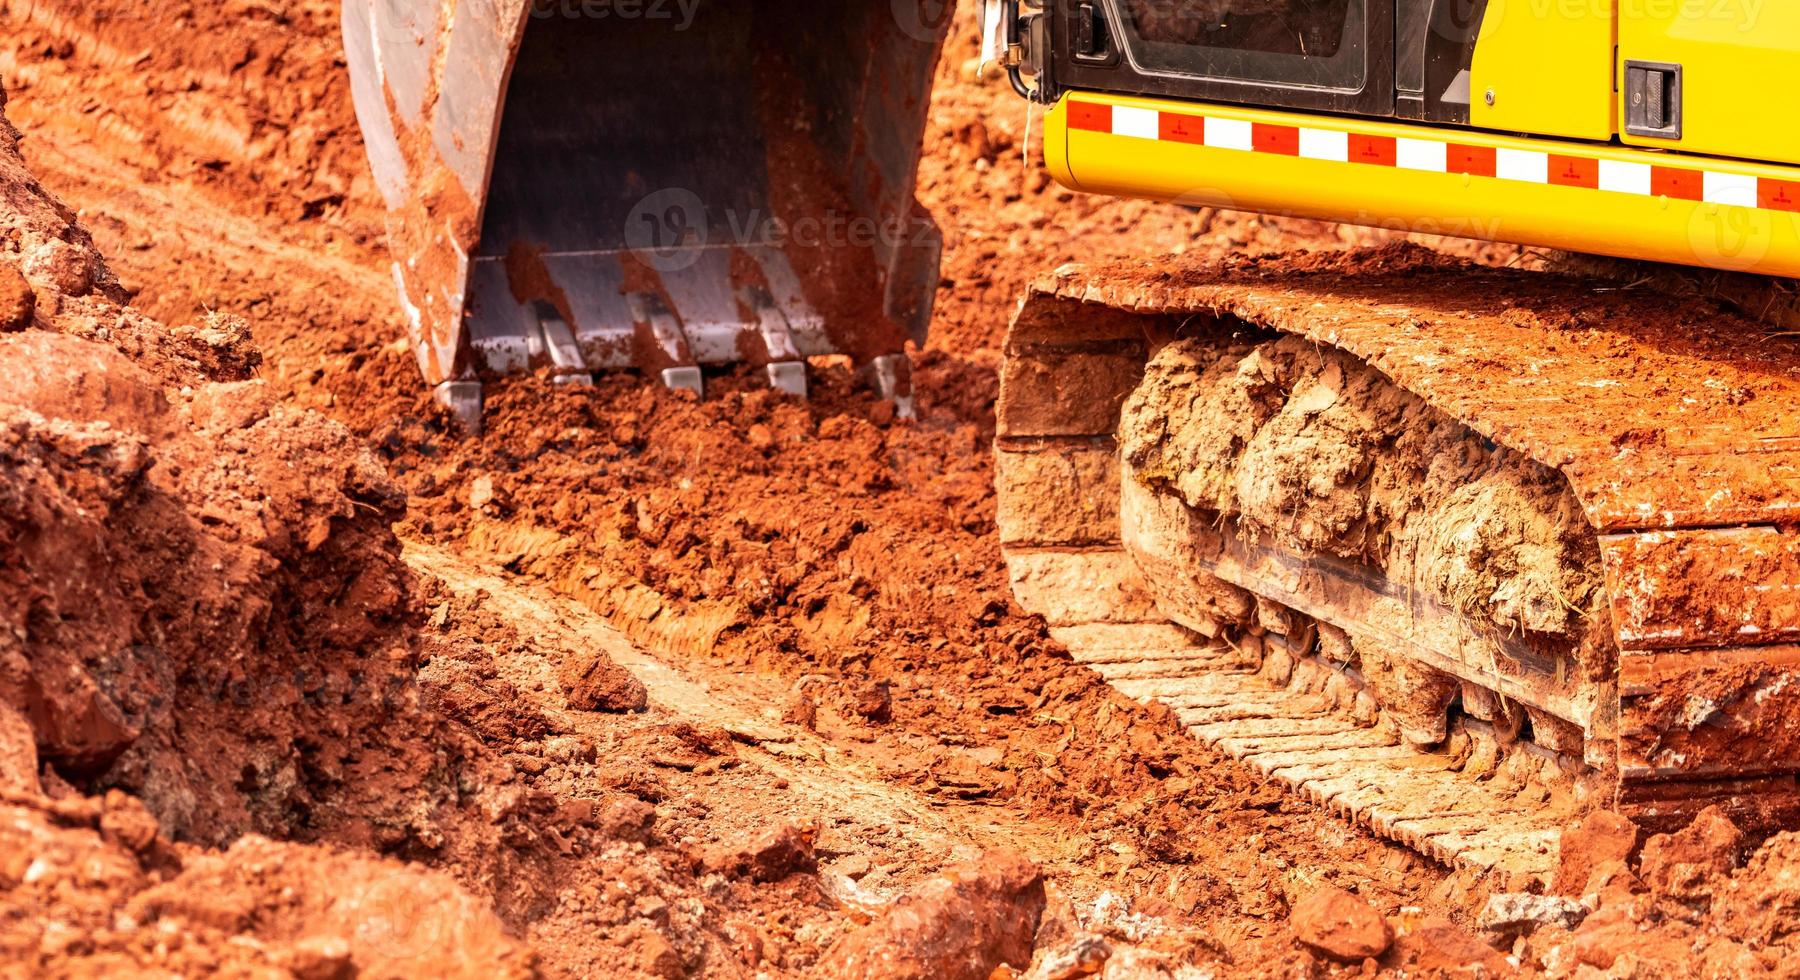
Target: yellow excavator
[[1458, 551]]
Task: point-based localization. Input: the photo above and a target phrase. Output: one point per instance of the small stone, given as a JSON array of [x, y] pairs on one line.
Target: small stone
[[127, 822], [760, 436], [1683, 864], [801, 710], [771, 856], [487, 497], [963, 924], [18, 304], [593, 682], [1603, 935], [320, 958], [1517, 913], [67, 267], [856, 867], [656, 956], [1603, 837], [1085, 957], [874, 701], [575, 813], [1434, 947], [627, 818], [1337, 924], [18, 753]]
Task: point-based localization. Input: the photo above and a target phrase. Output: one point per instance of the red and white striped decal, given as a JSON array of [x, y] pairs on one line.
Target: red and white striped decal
[[1439, 156]]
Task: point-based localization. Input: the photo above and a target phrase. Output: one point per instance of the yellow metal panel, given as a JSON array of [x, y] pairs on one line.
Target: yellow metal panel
[[1743, 237], [1549, 65], [1739, 58]]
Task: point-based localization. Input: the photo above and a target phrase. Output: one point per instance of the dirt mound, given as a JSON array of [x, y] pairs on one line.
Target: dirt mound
[[191, 563], [87, 888], [1690, 905], [207, 608]]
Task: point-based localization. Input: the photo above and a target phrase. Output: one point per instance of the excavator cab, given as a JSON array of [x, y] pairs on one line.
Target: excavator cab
[[661, 185]]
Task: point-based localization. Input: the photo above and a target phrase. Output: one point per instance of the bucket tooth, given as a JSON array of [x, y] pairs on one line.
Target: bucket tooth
[[670, 342], [687, 378], [789, 377], [893, 379], [567, 366], [462, 397], [786, 370]]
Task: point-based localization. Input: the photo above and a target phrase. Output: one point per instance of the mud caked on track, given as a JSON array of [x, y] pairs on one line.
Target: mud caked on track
[[1311, 453]]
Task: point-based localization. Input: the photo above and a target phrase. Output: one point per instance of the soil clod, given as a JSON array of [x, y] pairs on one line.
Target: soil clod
[[17, 302], [1337, 924], [593, 682], [770, 856], [962, 924]]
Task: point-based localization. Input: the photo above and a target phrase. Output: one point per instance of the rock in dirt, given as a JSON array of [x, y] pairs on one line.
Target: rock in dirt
[[1517, 913], [770, 856], [1603, 935], [593, 682], [1765, 902], [1683, 865], [487, 497], [960, 925], [1433, 947], [18, 304], [393, 919], [320, 958], [874, 701], [1085, 957], [1603, 837], [1337, 924], [127, 822], [626, 818], [656, 956], [80, 904], [801, 710], [18, 753]]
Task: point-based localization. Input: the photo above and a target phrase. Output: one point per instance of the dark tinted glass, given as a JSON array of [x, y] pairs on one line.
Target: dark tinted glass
[[1294, 42]]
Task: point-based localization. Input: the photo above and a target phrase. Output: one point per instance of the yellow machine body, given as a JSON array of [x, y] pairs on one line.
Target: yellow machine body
[[1545, 160], [1738, 59], [1439, 181], [1549, 79]]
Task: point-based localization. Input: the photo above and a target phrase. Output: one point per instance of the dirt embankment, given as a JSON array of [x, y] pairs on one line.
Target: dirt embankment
[[208, 626]]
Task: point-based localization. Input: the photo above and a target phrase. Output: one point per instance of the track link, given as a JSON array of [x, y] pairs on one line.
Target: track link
[[1671, 423], [1306, 733]]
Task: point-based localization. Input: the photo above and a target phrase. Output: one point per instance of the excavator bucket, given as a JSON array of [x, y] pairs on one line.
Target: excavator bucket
[[589, 185]]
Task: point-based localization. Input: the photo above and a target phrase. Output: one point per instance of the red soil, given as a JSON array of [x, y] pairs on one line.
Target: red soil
[[843, 699]]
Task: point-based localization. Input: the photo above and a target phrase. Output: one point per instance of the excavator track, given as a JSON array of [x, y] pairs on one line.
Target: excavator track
[[1458, 552]]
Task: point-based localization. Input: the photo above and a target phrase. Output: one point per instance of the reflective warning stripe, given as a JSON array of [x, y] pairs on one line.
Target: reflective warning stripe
[[1439, 156]]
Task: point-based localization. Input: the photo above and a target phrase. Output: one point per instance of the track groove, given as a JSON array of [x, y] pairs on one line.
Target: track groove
[[1366, 773]]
